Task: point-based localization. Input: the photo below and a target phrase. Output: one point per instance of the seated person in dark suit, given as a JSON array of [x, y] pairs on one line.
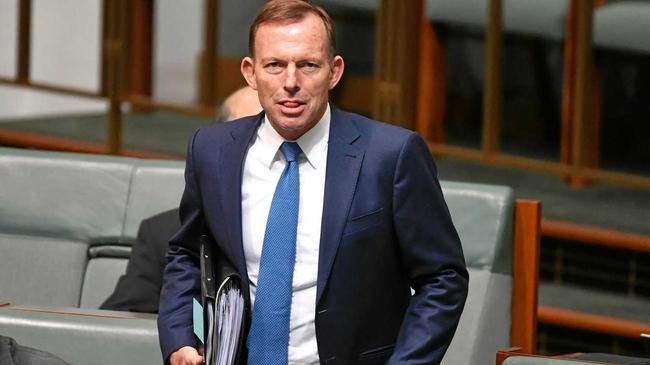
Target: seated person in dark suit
[[12, 353], [139, 289]]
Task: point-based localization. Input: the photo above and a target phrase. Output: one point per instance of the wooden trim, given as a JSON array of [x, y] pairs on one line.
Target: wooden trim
[[595, 235], [126, 315], [582, 126], [149, 103], [431, 84], [543, 166], [592, 322], [568, 83], [355, 94], [208, 59], [53, 88], [141, 50], [54, 143], [114, 48], [525, 270], [24, 40], [502, 355], [396, 63], [425, 83], [106, 14], [492, 84]]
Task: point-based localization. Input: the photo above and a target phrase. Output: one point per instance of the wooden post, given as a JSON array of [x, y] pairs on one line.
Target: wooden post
[[114, 52], [568, 83], [208, 56], [24, 40], [141, 50], [104, 60], [396, 61], [582, 128], [492, 87], [432, 83], [525, 273]]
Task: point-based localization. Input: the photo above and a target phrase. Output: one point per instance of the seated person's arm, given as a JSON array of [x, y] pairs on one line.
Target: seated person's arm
[[139, 289]]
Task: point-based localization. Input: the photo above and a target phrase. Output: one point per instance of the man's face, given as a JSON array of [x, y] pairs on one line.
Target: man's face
[[292, 72]]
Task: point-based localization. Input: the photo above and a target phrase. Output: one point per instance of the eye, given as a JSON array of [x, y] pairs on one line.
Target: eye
[[309, 66], [273, 67]]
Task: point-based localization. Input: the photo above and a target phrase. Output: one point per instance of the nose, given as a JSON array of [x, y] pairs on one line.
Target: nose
[[291, 81]]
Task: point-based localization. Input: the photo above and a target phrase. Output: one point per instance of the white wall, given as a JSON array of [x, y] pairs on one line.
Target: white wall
[[64, 51], [8, 10], [66, 38], [177, 42]]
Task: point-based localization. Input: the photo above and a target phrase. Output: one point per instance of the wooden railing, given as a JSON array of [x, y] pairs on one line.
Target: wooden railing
[[406, 43], [126, 72], [580, 122]]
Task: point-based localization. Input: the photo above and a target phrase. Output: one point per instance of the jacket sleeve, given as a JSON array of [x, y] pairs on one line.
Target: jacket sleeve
[[432, 256], [181, 279]]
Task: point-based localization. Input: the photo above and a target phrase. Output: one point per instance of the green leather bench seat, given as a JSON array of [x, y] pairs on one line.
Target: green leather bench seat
[[623, 25], [68, 221], [527, 360], [545, 18], [84, 337], [483, 215]]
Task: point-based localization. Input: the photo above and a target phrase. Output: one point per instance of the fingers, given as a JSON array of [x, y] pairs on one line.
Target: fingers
[[186, 356]]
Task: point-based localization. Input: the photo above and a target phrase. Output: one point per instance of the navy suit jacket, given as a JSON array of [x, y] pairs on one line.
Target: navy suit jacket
[[385, 229]]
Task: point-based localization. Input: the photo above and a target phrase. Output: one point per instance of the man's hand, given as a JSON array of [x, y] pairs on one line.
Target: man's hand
[[187, 355]]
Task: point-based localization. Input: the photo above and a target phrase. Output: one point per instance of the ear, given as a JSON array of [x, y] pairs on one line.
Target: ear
[[247, 68], [337, 67]]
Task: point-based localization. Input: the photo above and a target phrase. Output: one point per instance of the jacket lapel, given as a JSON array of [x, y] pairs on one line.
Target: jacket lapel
[[343, 165], [231, 164]]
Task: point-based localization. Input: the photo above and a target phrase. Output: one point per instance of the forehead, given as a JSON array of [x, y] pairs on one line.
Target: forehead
[[307, 35]]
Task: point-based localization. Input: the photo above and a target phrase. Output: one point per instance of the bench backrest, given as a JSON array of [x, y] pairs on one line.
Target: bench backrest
[[68, 220]]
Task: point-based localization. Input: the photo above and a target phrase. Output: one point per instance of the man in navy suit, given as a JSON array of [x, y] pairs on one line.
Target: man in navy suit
[[372, 221]]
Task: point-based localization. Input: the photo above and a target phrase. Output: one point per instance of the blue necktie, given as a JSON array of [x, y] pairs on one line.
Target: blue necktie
[[268, 339]]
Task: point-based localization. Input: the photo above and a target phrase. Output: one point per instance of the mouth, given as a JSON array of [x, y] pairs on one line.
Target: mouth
[[291, 107]]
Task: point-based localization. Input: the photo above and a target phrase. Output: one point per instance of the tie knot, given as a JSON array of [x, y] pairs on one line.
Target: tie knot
[[291, 151]]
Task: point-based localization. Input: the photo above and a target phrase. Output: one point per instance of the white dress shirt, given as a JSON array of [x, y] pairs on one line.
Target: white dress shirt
[[263, 166]]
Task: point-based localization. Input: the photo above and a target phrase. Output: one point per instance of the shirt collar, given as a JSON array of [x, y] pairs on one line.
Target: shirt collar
[[313, 143]]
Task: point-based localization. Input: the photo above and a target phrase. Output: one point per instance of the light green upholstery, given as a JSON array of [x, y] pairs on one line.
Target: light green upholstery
[[623, 25], [354, 5], [531, 17], [85, 337], [546, 19], [51, 209], [101, 276], [68, 221], [527, 360], [483, 216], [156, 186]]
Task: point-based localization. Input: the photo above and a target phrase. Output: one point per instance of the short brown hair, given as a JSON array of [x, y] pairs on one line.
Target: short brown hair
[[290, 11]]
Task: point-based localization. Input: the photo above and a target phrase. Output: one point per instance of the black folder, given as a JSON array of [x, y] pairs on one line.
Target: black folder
[[221, 292]]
